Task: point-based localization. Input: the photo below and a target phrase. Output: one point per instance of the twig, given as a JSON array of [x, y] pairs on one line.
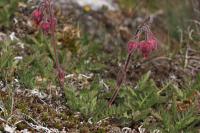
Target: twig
[[186, 59], [120, 80], [1, 119]]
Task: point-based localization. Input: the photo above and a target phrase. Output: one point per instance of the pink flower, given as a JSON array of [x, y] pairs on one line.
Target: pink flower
[[152, 40], [37, 16], [149, 45], [153, 43], [45, 26], [132, 45], [145, 48], [52, 22]]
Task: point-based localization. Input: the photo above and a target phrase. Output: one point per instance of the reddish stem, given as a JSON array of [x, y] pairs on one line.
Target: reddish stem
[[120, 79], [53, 39]]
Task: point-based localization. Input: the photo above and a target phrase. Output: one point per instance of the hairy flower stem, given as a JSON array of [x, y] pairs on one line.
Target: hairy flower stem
[[59, 69], [53, 41], [120, 79]]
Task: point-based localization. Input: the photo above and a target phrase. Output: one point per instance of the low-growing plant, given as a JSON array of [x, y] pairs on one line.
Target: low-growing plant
[[7, 9], [175, 121], [92, 103], [7, 62], [145, 47], [44, 18], [146, 101]]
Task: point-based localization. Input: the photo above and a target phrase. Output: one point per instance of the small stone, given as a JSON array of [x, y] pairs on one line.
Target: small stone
[[3, 37]]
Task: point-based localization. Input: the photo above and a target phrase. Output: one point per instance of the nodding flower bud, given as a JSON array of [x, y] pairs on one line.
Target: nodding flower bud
[[145, 49], [145, 46], [52, 22], [152, 41], [45, 26], [132, 45], [37, 16]]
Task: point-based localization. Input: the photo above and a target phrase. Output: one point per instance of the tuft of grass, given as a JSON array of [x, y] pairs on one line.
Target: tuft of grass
[[38, 65], [7, 9], [7, 62]]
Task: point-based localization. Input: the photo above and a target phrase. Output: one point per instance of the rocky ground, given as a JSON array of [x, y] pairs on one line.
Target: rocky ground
[[40, 104]]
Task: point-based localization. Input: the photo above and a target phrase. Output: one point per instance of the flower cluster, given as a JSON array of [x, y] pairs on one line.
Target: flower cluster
[[43, 17], [145, 46]]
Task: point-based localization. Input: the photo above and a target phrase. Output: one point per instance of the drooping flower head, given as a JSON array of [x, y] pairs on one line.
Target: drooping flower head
[[45, 26], [37, 16], [151, 39], [52, 22], [132, 45], [44, 17], [145, 49], [146, 46]]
